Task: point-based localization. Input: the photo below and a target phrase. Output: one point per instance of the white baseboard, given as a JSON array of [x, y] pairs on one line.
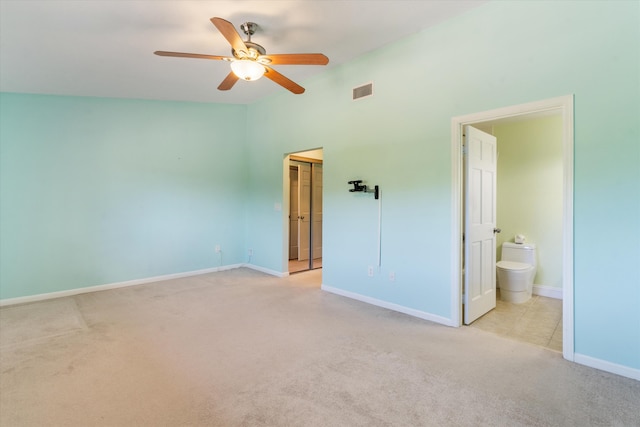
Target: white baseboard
[[603, 365], [390, 306], [266, 270], [78, 291], [547, 291]]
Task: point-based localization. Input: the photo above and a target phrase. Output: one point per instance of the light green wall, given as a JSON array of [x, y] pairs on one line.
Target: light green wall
[[530, 186], [497, 55], [98, 191]]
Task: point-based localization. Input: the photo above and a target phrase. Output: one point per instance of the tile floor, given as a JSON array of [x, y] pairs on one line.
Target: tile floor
[[537, 321]]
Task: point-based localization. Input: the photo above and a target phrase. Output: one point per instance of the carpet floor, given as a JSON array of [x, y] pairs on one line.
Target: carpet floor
[[241, 348]]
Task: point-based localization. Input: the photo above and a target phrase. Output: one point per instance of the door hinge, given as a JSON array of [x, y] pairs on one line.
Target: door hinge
[[464, 149]]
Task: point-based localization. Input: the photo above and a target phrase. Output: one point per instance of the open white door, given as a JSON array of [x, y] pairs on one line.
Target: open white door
[[304, 212], [480, 224]]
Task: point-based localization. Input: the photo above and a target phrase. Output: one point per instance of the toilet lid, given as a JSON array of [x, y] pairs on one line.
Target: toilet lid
[[512, 265]]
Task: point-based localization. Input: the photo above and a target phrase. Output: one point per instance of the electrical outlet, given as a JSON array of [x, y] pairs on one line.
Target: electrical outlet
[[392, 276], [218, 250], [370, 271], [250, 252]]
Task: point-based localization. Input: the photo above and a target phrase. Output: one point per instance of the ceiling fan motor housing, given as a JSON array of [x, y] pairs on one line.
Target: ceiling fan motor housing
[[254, 50], [249, 28]]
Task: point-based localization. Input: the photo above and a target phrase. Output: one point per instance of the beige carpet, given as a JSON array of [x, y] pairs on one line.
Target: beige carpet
[[240, 348]]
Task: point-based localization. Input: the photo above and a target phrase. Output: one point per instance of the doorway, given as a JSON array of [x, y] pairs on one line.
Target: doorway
[[562, 106], [304, 213]]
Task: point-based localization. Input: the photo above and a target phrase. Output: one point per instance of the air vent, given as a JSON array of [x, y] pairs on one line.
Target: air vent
[[363, 91]]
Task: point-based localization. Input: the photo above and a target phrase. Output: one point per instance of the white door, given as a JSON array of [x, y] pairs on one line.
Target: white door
[[317, 210], [480, 224], [304, 211]]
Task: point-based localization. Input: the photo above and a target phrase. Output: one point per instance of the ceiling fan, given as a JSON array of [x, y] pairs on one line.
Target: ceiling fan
[[249, 61]]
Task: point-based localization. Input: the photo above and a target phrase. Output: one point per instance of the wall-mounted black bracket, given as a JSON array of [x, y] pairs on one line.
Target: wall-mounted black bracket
[[358, 187]]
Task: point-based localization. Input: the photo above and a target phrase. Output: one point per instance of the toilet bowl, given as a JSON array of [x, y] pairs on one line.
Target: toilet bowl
[[515, 280], [516, 271]]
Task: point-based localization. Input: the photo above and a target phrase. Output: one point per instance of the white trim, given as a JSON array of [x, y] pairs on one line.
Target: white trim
[[565, 105], [88, 289], [603, 365], [388, 305], [456, 223], [568, 350], [266, 270], [547, 291], [286, 210]]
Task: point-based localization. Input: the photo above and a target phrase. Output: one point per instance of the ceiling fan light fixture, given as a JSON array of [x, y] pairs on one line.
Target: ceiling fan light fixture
[[247, 69], [249, 60]]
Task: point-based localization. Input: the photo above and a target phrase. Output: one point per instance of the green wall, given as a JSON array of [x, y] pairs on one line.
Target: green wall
[[497, 55], [98, 191], [530, 186]]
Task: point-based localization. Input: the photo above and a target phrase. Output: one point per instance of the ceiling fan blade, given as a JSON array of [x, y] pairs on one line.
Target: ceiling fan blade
[[296, 59], [191, 55], [283, 81], [228, 81], [229, 32]]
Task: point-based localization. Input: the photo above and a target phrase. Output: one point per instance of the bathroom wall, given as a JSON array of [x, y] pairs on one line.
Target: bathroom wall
[[530, 178]]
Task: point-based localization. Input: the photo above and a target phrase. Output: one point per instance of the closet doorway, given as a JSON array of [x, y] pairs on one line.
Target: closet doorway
[[305, 211]]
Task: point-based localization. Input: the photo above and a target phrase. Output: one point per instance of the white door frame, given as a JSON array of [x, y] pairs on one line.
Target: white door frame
[[564, 105]]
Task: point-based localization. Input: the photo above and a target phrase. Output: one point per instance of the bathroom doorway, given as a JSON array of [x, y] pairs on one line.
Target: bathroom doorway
[[304, 212], [488, 122]]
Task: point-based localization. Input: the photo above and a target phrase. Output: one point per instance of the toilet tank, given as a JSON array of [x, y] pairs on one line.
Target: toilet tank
[[525, 253]]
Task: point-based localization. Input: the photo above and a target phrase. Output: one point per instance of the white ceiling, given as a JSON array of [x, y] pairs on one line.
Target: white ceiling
[[105, 47]]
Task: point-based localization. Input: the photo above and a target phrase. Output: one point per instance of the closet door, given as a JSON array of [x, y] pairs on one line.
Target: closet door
[[304, 211], [316, 207], [293, 212]]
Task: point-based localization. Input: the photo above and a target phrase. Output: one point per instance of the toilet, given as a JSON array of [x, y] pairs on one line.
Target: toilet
[[516, 271]]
